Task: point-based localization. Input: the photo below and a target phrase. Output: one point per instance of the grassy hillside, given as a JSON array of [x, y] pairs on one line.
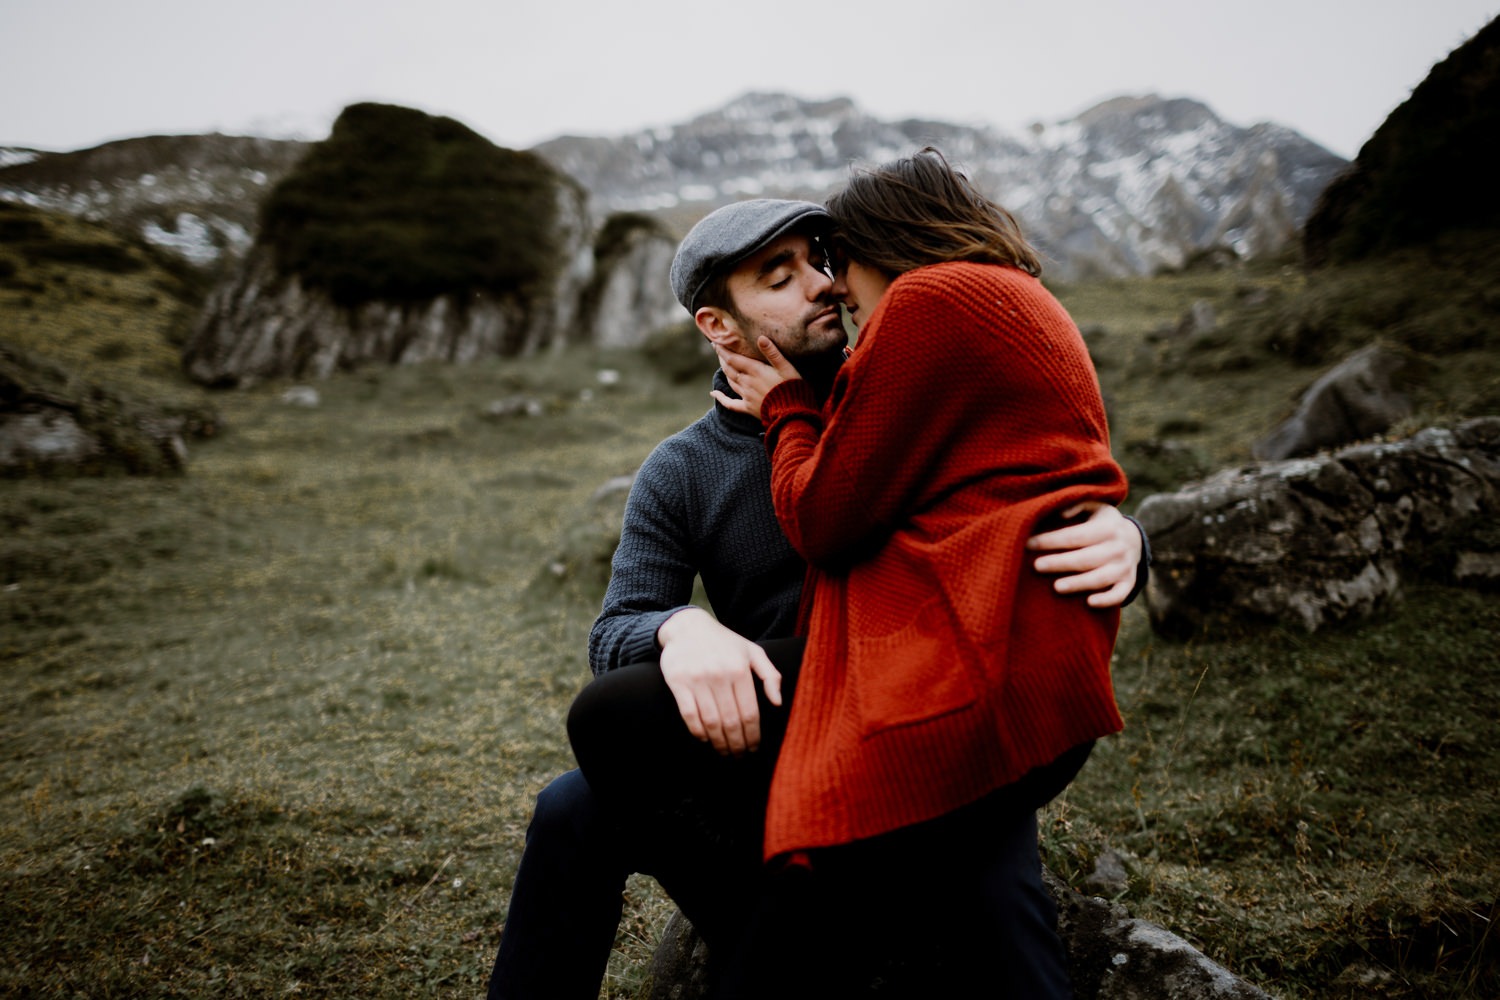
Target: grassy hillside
[[1185, 404], [105, 308], [274, 727]]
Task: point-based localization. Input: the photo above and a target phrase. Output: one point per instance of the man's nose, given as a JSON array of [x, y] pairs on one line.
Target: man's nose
[[837, 286], [819, 283]]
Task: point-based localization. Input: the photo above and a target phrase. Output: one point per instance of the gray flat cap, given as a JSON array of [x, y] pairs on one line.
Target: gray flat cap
[[728, 235]]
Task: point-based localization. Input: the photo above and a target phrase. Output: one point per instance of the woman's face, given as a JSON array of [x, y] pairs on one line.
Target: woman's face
[[859, 287]]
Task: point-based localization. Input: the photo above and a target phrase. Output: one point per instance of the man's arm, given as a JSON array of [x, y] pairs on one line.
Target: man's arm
[[648, 614], [1107, 556]]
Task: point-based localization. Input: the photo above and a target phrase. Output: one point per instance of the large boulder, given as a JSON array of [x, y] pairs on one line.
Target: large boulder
[[400, 238], [1361, 396], [629, 295], [1309, 542], [1114, 956], [1111, 956], [257, 325]]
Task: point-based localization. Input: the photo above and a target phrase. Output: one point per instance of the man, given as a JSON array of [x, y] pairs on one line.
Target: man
[[700, 508]]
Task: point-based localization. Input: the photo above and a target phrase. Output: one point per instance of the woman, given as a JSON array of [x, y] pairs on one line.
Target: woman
[[946, 692]]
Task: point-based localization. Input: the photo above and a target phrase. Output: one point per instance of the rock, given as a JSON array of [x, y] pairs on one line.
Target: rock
[[478, 252], [302, 395], [679, 966], [56, 424], [1109, 877], [513, 406], [629, 295], [1111, 956], [587, 543], [1313, 541], [256, 326], [1361, 396], [1114, 956], [1198, 321], [46, 436]]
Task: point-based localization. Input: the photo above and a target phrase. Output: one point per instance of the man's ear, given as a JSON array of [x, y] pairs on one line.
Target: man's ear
[[718, 327]]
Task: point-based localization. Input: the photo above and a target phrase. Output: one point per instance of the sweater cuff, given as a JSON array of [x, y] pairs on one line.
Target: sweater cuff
[[1142, 568], [640, 645], [787, 397]]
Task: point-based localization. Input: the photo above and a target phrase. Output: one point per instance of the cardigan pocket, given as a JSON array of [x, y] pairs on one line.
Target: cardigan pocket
[[911, 675]]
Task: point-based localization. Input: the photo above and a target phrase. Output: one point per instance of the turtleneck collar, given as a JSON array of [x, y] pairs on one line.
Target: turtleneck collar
[[818, 372]]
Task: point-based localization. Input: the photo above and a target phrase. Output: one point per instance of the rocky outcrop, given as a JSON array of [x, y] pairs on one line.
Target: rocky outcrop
[[54, 424], [611, 292], [407, 238], [257, 326], [1114, 956], [1111, 956], [1308, 542], [1361, 396], [629, 297], [401, 238], [1427, 171]]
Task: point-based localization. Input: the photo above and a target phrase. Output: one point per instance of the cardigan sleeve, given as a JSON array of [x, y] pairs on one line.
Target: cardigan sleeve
[[842, 477]]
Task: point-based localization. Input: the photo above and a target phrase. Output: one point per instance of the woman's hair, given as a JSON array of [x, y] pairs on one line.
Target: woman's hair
[[918, 210]]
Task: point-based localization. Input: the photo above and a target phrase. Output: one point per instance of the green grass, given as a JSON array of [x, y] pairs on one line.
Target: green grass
[[107, 309], [1182, 406], [279, 723], [1310, 809], [275, 727]]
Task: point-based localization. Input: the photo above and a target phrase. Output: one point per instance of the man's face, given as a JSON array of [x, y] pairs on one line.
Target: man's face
[[784, 293]]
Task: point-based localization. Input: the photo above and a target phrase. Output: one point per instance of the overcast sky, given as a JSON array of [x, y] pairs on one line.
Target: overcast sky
[[75, 73]]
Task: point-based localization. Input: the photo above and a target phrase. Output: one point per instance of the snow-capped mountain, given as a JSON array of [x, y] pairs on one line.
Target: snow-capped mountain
[[1126, 187], [197, 196], [12, 155], [1129, 186]]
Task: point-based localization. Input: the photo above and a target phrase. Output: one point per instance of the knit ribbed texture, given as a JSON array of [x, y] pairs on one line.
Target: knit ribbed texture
[[700, 504], [939, 665]]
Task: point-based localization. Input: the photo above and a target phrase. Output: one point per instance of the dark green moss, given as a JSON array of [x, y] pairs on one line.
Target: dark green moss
[[112, 258], [400, 206], [616, 235]]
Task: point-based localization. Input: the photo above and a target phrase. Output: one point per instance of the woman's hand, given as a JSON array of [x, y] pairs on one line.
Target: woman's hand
[[753, 379]]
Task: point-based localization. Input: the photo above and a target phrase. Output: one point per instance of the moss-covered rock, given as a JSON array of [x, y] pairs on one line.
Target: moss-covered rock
[[55, 423], [401, 206]]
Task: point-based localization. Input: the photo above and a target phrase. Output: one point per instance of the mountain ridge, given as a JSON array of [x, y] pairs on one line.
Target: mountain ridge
[[1130, 185]]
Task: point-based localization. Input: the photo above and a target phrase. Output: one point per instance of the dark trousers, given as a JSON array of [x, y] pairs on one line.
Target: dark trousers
[[649, 798], [951, 907], [959, 897]]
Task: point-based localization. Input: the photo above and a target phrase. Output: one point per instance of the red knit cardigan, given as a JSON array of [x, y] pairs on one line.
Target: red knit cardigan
[[939, 666]]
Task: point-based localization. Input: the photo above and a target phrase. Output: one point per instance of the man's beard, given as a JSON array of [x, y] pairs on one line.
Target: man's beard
[[818, 334], [817, 350]]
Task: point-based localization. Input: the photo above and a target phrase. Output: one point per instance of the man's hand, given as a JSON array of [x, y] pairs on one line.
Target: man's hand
[[711, 671], [1099, 555]]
